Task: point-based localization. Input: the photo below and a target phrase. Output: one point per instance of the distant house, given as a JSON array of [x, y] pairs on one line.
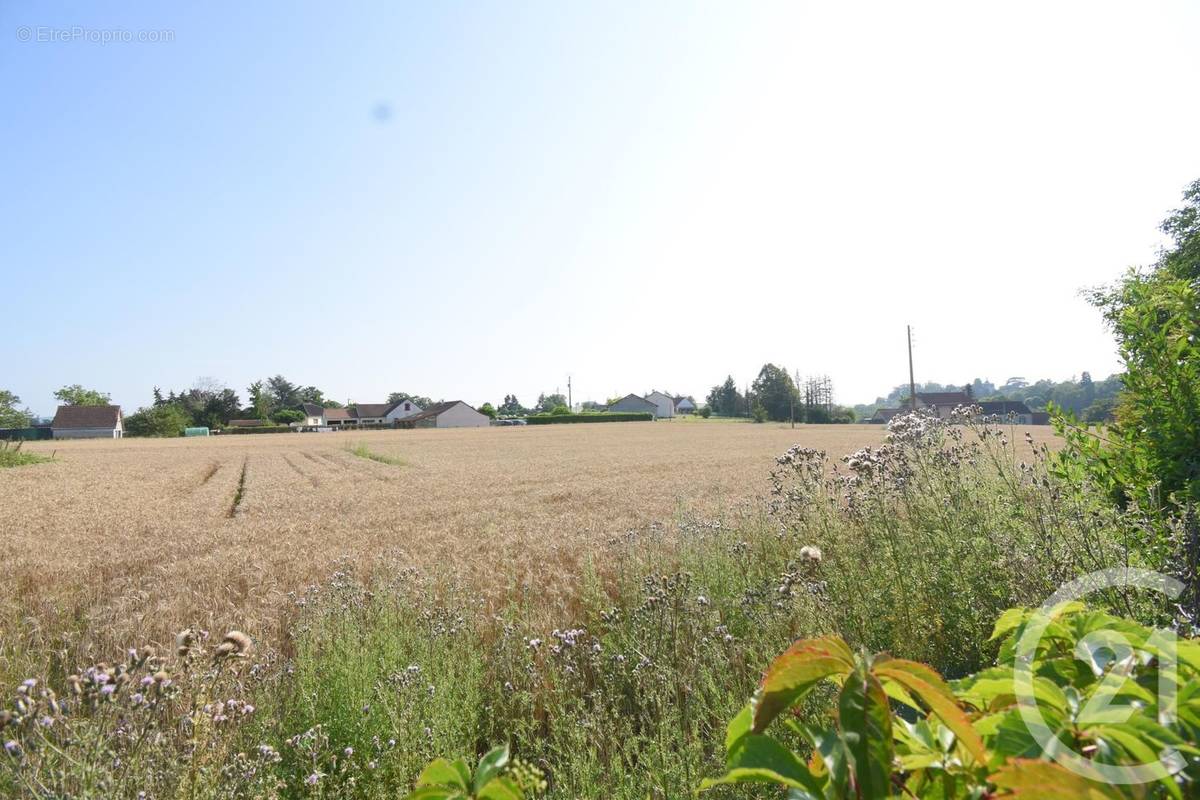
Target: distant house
[[664, 404], [634, 403], [314, 416], [1009, 410], [883, 416], [454, 414], [402, 409], [1039, 418], [684, 405], [371, 413], [943, 404], [339, 418], [88, 422]]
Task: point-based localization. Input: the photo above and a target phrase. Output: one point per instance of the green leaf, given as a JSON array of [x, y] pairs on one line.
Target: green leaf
[[1137, 751], [865, 721], [830, 751], [441, 772], [795, 672], [1045, 780], [933, 691], [490, 766], [1009, 621], [739, 726], [500, 789], [434, 793], [760, 759]]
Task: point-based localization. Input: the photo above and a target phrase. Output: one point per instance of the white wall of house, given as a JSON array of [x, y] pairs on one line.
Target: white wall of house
[[461, 415], [402, 410], [88, 433], [312, 421], [664, 403]]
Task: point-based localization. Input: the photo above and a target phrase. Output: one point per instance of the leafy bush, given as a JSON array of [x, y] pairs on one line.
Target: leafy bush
[[160, 421], [488, 410], [265, 429], [759, 413], [287, 415], [621, 416], [1150, 455], [705, 412], [1092, 679], [558, 411]]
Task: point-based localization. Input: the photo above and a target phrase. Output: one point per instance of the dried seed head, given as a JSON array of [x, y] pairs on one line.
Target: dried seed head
[[811, 554], [184, 640], [235, 644], [161, 677]]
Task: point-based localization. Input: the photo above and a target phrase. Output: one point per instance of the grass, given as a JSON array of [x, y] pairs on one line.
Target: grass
[[12, 455], [363, 451]]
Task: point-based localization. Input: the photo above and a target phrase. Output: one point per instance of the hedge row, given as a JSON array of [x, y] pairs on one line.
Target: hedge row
[[259, 429], [554, 419]]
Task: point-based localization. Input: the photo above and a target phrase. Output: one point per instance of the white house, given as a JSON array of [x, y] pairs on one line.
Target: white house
[[402, 410], [88, 422], [454, 414], [664, 404], [314, 416], [633, 403]]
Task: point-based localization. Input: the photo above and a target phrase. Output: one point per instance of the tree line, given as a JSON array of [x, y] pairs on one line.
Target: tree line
[[774, 395]]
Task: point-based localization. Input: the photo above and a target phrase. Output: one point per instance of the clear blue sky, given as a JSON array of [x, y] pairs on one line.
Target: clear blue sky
[[470, 199]]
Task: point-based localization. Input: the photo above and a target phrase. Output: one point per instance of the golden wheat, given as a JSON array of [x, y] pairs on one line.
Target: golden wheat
[[127, 541]]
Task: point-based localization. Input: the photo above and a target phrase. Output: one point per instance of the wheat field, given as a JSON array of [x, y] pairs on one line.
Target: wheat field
[[124, 541]]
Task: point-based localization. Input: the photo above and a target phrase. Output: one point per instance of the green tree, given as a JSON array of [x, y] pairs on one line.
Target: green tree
[[725, 399], [511, 407], [548, 402], [76, 395], [286, 416], [283, 393], [164, 420], [260, 400], [488, 410], [1151, 452], [776, 392], [10, 416]]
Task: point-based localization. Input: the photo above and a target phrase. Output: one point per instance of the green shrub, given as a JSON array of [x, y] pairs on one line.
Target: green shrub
[[158, 421], [559, 411], [288, 415], [970, 738], [554, 419], [259, 429], [705, 412]]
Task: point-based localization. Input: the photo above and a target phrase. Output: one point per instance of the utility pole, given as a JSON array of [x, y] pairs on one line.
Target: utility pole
[[570, 401], [912, 383]]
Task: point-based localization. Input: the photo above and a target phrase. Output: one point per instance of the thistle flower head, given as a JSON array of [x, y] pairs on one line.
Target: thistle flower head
[[235, 644]]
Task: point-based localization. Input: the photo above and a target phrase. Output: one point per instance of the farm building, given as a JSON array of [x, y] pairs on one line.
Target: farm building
[[402, 409], [454, 414], [942, 404], [1010, 410], [684, 405], [634, 403], [883, 416], [370, 413], [664, 404], [88, 422]]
